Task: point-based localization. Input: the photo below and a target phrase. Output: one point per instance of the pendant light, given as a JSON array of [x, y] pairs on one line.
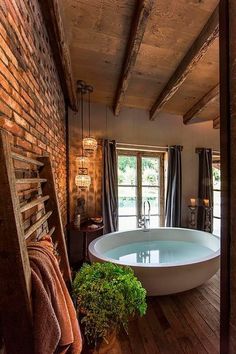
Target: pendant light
[[82, 180], [89, 143]]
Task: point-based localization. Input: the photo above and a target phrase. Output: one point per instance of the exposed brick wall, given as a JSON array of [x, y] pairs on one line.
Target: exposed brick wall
[[32, 106]]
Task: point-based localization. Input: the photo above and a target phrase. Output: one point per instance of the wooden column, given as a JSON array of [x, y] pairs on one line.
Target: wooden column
[[228, 166]]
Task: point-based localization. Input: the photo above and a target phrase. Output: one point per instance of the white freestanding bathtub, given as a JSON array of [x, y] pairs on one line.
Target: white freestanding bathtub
[[165, 260]]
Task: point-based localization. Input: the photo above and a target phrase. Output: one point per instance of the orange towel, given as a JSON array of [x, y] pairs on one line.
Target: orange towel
[[56, 328]]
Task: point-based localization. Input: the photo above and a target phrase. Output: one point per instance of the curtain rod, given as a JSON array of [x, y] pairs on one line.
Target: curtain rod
[[214, 152], [142, 145]]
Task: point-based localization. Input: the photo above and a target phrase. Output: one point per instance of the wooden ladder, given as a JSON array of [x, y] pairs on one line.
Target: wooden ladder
[[15, 272]]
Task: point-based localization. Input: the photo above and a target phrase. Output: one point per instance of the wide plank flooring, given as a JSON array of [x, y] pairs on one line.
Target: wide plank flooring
[[184, 323]]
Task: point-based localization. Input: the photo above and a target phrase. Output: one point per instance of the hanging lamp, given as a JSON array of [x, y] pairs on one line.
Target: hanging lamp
[[89, 144], [82, 180], [82, 161]]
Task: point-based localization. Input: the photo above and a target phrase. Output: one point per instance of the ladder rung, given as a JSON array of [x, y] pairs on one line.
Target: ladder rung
[[47, 233], [26, 159], [34, 203], [38, 223], [30, 180], [52, 230]]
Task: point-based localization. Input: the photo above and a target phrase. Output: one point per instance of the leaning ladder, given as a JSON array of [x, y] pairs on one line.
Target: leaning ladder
[[15, 273]]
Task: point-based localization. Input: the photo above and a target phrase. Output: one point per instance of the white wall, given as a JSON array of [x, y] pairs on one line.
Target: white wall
[[134, 126]]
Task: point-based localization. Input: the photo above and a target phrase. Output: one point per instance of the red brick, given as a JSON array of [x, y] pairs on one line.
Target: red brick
[[4, 109], [24, 144], [29, 137], [21, 121], [31, 101], [11, 127], [3, 57], [40, 128], [36, 150]]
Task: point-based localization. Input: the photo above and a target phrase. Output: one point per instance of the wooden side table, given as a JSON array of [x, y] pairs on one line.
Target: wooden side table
[[86, 230]]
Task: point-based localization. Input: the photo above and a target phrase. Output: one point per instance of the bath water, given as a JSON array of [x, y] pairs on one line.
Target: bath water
[[160, 252]]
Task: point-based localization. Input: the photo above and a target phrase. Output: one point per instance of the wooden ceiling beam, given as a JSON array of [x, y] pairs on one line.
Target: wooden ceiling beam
[[137, 30], [211, 96], [216, 123], [200, 46], [51, 14]]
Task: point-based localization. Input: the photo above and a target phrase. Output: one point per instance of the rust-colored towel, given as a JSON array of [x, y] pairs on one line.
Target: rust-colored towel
[[56, 328]]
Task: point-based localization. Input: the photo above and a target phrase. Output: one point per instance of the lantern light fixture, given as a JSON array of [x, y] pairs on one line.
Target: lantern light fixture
[[82, 161], [82, 180], [89, 143]]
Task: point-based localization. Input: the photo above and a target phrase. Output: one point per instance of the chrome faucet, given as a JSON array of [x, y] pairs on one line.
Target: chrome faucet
[[144, 221]]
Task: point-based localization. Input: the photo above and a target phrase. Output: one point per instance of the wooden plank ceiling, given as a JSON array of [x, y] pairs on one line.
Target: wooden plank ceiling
[[158, 55]]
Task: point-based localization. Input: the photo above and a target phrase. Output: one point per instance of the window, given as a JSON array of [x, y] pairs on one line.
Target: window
[[140, 178], [216, 197]]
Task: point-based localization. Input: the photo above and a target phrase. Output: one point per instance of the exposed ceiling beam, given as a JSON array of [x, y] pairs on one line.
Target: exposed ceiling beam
[[216, 123], [61, 54], [142, 12], [211, 96], [200, 46]]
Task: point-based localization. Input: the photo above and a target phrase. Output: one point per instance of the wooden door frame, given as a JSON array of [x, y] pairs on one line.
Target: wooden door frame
[[227, 18]]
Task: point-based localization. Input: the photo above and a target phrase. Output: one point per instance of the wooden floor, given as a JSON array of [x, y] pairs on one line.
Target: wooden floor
[[185, 323]]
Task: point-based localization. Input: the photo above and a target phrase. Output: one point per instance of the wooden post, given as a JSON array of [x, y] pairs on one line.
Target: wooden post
[[15, 273], [55, 219], [198, 49], [208, 98], [228, 168], [138, 26]]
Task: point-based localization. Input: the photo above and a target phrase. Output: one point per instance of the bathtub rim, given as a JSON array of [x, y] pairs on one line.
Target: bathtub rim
[[101, 257]]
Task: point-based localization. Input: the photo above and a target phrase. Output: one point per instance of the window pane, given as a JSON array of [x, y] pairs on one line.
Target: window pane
[[216, 176], [216, 226], [152, 194], [127, 223], [127, 200], [127, 170], [216, 204], [155, 221], [151, 171]]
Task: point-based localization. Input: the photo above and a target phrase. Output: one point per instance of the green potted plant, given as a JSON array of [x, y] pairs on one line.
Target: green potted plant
[[108, 296]]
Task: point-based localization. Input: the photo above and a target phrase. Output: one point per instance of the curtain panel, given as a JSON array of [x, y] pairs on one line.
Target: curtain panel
[[110, 187], [174, 187], [205, 188]]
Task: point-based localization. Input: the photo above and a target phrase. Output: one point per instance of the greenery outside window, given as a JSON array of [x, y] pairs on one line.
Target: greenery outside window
[[140, 178]]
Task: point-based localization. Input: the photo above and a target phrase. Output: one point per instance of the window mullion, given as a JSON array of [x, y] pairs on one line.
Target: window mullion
[[139, 189]]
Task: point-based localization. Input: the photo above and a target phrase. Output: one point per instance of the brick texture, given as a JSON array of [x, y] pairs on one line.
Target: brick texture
[[32, 106]]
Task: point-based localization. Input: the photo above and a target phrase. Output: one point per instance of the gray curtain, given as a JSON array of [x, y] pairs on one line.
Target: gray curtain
[[174, 187], [110, 187], [205, 187]]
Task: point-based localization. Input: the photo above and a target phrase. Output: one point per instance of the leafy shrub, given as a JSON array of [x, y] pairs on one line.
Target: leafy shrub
[[108, 295]]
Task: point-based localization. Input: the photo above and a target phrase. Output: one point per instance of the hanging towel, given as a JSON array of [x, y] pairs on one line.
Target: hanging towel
[[56, 329]]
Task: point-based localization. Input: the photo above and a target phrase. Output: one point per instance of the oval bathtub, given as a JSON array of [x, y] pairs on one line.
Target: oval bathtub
[[165, 260]]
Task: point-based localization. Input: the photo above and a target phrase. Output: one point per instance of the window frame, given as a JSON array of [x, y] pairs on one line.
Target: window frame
[[215, 160], [139, 155]]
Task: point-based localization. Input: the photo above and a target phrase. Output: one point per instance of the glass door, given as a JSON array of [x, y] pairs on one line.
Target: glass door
[[151, 187], [140, 178], [127, 192]]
